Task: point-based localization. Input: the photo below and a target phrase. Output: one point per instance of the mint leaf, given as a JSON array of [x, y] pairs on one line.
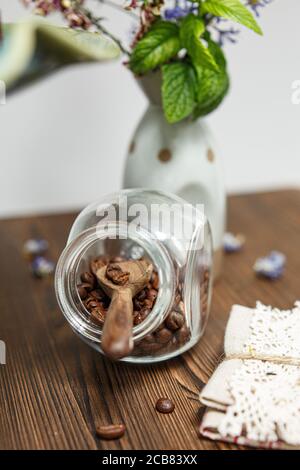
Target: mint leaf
[[178, 90], [233, 10], [191, 28], [211, 86], [159, 45]]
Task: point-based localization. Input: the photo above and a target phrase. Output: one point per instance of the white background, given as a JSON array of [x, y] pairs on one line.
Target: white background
[[62, 142]]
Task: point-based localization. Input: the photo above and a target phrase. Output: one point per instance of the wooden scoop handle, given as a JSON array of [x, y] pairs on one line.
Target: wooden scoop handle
[[117, 341]]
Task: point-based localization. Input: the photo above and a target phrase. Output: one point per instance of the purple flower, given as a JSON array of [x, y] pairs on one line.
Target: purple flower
[[226, 35], [233, 243], [255, 5], [34, 247], [271, 266], [179, 11], [42, 267]]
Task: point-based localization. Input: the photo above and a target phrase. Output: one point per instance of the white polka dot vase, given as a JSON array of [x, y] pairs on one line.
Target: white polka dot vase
[[179, 158]]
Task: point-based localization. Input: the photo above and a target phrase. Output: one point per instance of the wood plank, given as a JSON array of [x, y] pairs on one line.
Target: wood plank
[[54, 389]]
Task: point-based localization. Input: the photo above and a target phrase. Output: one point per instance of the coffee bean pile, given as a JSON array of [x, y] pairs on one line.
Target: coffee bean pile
[[171, 334]]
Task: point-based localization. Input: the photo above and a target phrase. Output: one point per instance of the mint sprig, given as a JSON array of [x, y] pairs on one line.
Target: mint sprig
[[191, 89], [212, 87], [191, 30], [194, 71], [233, 10], [178, 90], [157, 47]]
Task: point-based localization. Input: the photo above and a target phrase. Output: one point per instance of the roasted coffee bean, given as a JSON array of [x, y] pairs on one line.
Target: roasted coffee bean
[[149, 338], [138, 304], [97, 264], [177, 298], [148, 303], [98, 315], [82, 291], [137, 317], [174, 320], [183, 335], [180, 307], [111, 431], [163, 336], [88, 287], [164, 405], [152, 295], [150, 347], [155, 280], [115, 274], [141, 295], [97, 294], [93, 303], [88, 278], [117, 259], [160, 327]]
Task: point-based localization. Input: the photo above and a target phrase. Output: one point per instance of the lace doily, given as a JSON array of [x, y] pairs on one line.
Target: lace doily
[[267, 395], [274, 332]]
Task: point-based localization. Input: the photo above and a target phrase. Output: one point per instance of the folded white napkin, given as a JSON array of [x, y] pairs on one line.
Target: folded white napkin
[[253, 397]]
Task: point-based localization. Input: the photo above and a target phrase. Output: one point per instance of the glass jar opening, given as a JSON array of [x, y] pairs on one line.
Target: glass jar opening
[[115, 239]]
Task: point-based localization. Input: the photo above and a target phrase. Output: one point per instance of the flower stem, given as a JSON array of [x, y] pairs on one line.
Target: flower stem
[[114, 5], [98, 24]]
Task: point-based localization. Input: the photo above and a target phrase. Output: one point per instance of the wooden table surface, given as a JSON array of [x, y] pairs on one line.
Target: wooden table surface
[[54, 389]]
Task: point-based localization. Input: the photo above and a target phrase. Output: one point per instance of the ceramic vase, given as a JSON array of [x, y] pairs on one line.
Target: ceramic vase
[[180, 158]]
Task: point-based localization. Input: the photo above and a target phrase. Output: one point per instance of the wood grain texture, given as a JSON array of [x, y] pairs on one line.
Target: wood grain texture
[[54, 389]]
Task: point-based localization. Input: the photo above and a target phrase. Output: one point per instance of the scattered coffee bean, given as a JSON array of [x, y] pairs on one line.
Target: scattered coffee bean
[[111, 431], [164, 405]]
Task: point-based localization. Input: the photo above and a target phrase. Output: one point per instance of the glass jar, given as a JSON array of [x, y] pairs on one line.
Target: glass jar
[[132, 224]]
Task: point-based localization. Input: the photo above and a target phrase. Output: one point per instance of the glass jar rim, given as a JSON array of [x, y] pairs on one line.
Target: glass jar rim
[[66, 270]]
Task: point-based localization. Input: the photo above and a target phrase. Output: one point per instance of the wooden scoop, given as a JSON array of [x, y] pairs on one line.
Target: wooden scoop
[[121, 282]]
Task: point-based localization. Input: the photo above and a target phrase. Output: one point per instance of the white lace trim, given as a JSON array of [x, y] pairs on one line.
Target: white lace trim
[[267, 395], [274, 332]]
